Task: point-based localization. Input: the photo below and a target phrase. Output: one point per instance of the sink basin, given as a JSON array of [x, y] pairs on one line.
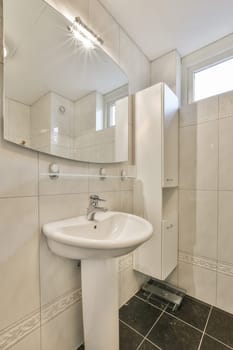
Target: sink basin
[[97, 243], [112, 234]]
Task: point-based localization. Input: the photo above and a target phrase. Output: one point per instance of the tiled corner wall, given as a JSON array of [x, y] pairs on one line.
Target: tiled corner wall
[[206, 200], [205, 192], [167, 68], [40, 304]]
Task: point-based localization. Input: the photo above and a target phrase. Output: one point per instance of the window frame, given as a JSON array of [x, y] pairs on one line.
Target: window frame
[[203, 58], [200, 67]]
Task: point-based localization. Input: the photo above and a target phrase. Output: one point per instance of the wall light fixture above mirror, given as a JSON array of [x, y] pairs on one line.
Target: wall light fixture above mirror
[[63, 95]]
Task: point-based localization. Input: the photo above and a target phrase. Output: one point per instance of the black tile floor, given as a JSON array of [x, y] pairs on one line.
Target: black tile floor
[[148, 323]]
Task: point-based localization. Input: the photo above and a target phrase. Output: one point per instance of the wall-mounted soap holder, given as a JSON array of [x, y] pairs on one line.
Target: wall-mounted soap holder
[[54, 171], [54, 174]]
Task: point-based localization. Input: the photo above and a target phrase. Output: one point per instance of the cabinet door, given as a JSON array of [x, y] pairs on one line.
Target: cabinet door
[[169, 247], [170, 139]]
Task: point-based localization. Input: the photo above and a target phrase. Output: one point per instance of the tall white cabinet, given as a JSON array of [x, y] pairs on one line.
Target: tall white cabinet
[[156, 195]]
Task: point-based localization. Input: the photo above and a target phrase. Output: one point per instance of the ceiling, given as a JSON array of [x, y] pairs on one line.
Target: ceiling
[[159, 26]]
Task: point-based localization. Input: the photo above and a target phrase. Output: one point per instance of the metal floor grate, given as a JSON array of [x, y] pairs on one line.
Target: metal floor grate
[[165, 291]]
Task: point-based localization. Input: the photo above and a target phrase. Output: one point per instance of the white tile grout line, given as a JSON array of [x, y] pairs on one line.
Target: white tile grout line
[[156, 346], [170, 314], [145, 337], [147, 302], [202, 122], [211, 308], [164, 311], [218, 208], [192, 189], [179, 319], [126, 324], [219, 341]]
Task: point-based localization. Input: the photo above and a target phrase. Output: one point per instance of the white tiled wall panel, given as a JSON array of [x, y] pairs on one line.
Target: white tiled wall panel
[[206, 200], [28, 200], [198, 223]]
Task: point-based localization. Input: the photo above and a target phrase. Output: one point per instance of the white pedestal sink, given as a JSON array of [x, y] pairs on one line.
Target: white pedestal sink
[[97, 243]]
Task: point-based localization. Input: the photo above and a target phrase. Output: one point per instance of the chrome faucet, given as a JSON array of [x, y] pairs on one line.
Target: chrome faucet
[[93, 207]]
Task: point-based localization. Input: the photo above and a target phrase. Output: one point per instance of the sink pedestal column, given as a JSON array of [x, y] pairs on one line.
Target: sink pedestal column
[[100, 304]]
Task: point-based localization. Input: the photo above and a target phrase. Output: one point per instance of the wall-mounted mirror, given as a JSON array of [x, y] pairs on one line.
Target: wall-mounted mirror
[[61, 98]]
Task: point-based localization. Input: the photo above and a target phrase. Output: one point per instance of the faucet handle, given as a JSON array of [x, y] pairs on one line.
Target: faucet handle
[[95, 198], [102, 200]]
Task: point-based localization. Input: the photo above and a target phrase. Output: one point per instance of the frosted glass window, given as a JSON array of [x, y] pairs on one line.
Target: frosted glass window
[[213, 80]]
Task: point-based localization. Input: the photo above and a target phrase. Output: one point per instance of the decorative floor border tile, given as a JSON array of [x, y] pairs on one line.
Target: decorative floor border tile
[[17, 331], [14, 333], [220, 267], [59, 305], [225, 269], [198, 261], [20, 329]]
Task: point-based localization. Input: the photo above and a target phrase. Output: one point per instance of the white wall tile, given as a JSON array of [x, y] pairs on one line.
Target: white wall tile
[[199, 156], [199, 112], [19, 171], [226, 105], [207, 156], [126, 198], [53, 208], [207, 109], [225, 154], [187, 173], [198, 223], [108, 184], [64, 331], [224, 292], [62, 185], [200, 283], [130, 282], [19, 259], [225, 236], [188, 114], [58, 275], [126, 184]]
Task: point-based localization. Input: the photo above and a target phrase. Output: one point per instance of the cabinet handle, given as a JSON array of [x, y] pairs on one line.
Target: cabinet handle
[[169, 227], [169, 179]]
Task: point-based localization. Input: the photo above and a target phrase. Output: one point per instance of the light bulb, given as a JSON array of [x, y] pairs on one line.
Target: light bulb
[[85, 35]]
